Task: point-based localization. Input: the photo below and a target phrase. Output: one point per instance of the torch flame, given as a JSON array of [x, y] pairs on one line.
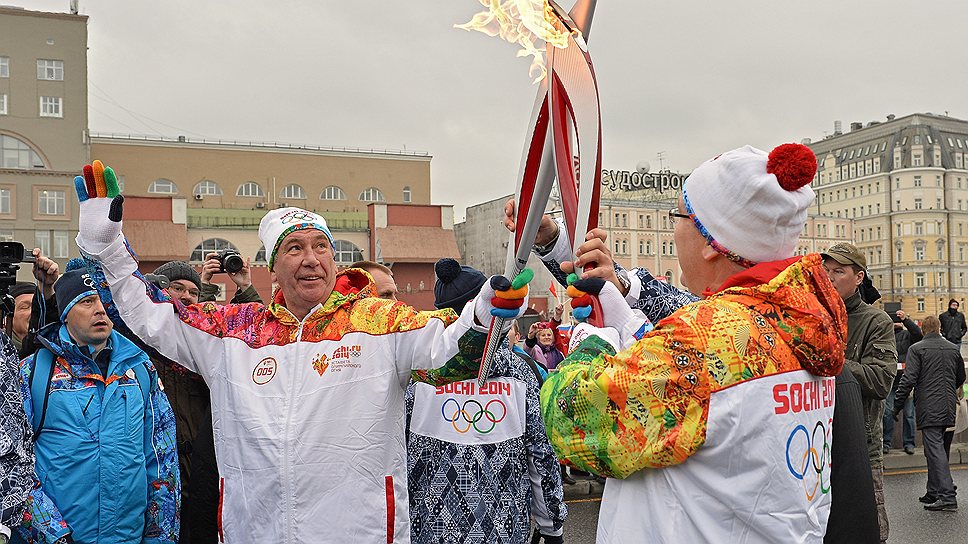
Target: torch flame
[[522, 22]]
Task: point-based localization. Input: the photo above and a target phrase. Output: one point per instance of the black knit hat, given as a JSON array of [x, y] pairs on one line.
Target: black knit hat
[[71, 288], [179, 270], [456, 285], [22, 288]]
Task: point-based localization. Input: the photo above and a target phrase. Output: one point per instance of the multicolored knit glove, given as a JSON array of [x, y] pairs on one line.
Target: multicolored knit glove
[[616, 313], [101, 203], [505, 298]]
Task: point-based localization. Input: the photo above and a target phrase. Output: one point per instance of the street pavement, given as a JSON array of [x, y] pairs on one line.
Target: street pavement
[[910, 522]]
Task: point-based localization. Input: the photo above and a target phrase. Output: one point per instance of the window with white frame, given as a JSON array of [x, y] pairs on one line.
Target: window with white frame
[[293, 191], [162, 186], [250, 188], [6, 236], [61, 244], [919, 279], [5, 201], [210, 245], [918, 253], [50, 202], [3, 103], [51, 106], [42, 240], [4, 67], [371, 194], [51, 70], [900, 281], [207, 187], [345, 252], [918, 204], [332, 193], [920, 305], [407, 195]]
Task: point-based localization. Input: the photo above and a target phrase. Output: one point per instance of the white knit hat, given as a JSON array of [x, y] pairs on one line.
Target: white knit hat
[[751, 206], [278, 224]]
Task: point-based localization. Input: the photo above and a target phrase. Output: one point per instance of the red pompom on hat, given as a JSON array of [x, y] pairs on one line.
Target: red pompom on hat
[[794, 165]]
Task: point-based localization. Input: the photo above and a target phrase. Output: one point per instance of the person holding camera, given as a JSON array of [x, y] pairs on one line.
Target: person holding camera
[[16, 452], [906, 333], [231, 263]]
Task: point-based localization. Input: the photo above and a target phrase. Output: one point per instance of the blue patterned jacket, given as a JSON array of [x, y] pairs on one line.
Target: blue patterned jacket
[[16, 451], [106, 466], [479, 462]]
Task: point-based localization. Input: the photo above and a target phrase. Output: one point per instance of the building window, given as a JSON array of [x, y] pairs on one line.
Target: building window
[[207, 187], [4, 67], [209, 246], [61, 244], [900, 281], [50, 203], [641, 247], [51, 70], [918, 253], [919, 228], [917, 181], [625, 247], [163, 186], [3, 104], [900, 254], [250, 188], [5, 201], [918, 204], [648, 247], [407, 195], [50, 106], [920, 305], [260, 256], [15, 153], [346, 253], [6, 236], [332, 193], [371, 194], [916, 160], [293, 191], [42, 240], [919, 279]]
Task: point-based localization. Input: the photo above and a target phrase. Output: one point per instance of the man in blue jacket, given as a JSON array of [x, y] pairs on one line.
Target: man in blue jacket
[[106, 465]]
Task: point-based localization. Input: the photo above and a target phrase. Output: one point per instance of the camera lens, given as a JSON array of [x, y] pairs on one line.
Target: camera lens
[[233, 263]]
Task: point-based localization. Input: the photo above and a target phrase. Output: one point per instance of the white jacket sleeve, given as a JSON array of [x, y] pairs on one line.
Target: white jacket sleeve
[[157, 324], [437, 354]]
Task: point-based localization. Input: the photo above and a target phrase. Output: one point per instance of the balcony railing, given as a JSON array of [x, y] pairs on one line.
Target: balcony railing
[[203, 222]]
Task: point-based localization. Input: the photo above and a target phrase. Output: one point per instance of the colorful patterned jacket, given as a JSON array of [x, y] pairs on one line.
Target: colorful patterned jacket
[[308, 415], [106, 467], [478, 460], [731, 397]]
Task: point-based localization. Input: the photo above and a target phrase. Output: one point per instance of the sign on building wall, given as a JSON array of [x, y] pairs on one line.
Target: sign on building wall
[[625, 180]]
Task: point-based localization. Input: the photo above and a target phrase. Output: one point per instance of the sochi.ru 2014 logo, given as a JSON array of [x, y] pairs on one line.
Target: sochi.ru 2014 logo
[[808, 458], [471, 414], [264, 371]]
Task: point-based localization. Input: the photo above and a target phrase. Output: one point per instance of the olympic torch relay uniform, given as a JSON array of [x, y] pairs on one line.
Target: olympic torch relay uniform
[[716, 425], [308, 415], [480, 464]]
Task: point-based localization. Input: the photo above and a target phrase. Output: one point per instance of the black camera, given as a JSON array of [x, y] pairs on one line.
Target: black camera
[[14, 253], [229, 261], [11, 255]]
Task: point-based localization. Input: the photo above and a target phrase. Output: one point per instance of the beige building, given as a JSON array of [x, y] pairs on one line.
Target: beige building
[[904, 182], [43, 127], [229, 186]]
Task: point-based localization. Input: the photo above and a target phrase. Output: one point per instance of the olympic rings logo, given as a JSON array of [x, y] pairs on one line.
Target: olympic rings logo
[[473, 414], [811, 456], [297, 215]]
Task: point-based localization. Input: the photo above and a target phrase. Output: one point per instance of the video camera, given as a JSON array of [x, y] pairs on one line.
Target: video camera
[[11, 255]]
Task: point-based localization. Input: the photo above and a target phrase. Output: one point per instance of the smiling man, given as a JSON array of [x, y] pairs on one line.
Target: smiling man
[[106, 469], [307, 392]]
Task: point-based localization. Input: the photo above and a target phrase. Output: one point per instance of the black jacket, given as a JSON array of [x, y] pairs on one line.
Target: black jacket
[[909, 334], [853, 512], [953, 327], [935, 370]]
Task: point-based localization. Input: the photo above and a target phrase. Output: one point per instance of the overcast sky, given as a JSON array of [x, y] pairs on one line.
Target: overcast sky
[[690, 79]]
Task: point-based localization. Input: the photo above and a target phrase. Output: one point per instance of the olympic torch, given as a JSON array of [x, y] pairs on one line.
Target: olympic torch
[[564, 134]]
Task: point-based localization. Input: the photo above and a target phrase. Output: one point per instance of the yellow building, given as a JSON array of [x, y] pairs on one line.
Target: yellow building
[[904, 182]]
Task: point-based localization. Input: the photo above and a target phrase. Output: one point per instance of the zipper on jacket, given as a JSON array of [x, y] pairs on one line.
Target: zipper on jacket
[[287, 455]]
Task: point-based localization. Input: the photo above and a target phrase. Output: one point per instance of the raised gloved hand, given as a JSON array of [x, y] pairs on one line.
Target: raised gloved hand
[[538, 537], [101, 203], [505, 298], [616, 313]]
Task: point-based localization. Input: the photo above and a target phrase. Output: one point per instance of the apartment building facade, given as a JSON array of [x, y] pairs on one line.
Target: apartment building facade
[[43, 128], [904, 183]]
